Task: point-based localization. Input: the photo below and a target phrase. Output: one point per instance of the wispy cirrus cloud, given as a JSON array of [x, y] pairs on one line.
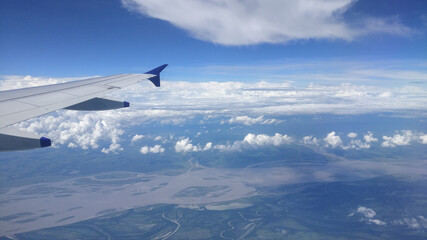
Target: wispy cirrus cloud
[[419, 222], [249, 121], [268, 21]]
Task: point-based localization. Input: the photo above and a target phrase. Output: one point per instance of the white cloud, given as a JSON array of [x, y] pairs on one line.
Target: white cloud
[[11, 82], [156, 149], [15, 82], [79, 129], [366, 212], [103, 130], [333, 140], [356, 144], [233, 22], [402, 139], [252, 140], [263, 139], [185, 145], [422, 220], [369, 137], [310, 140], [368, 216], [158, 138], [208, 146], [248, 121], [137, 137], [276, 98], [418, 222], [247, 99], [352, 135], [114, 147], [376, 221], [412, 223], [386, 94]]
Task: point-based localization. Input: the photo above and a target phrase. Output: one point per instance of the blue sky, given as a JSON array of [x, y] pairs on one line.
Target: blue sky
[[85, 38]]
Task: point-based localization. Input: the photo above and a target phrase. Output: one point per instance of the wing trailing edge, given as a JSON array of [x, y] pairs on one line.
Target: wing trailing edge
[[98, 104], [12, 139]]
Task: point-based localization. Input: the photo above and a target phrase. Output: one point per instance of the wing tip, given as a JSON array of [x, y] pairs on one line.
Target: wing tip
[[156, 71], [45, 142]]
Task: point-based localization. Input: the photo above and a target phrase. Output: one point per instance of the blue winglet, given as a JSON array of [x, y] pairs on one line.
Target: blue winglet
[[156, 71], [45, 142]]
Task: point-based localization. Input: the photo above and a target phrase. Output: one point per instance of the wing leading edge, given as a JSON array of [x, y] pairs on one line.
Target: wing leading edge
[[22, 104]]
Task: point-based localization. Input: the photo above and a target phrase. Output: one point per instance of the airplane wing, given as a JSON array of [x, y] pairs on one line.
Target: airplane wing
[[22, 104]]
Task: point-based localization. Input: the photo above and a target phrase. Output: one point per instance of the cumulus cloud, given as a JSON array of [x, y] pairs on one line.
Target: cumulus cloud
[[233, 22], [263, 139], [400, 139], [356, 144], [252, 140], [136, 138], [352, 135], [366, 212], [423, 139], [310, 140], [248, 121], [369, 137], [78, 129], [368, 216], [156, 149], [185, 145], [114, 146], [333, 140], [208, 146]]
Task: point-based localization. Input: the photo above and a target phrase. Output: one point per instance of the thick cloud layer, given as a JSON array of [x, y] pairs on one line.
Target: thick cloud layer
[[234, 103], [233, 22]]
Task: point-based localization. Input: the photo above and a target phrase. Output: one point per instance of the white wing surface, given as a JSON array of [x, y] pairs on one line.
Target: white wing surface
[[22, 104]]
